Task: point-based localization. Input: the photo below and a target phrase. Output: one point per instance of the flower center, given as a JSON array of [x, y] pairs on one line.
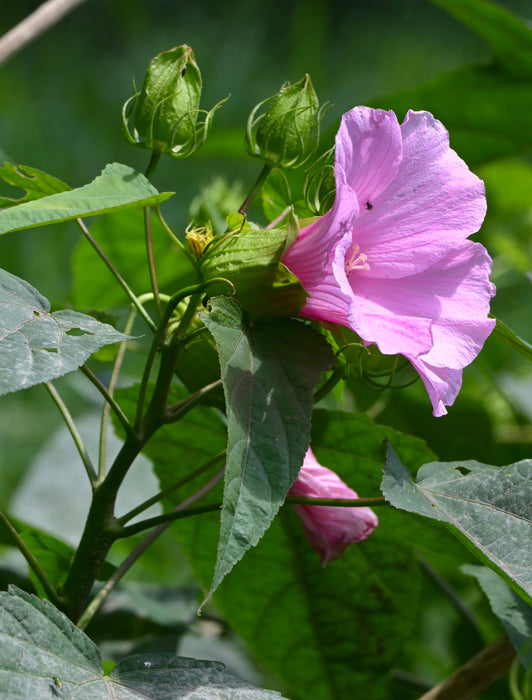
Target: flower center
[[356, 261]]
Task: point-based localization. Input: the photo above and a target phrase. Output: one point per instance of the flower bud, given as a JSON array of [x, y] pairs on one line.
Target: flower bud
[[329, 529], [166, 110], [287, 133], [198, 238]]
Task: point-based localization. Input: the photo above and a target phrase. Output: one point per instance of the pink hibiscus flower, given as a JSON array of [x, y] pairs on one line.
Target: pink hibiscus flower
[[329, 528], [391, 259]]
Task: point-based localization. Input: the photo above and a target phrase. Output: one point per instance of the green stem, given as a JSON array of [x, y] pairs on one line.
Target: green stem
[[134, 299], [141, 548], [337, 375], [170, 489], [99, 533], [106, 411], [256, 187], [154, 160], [176, 411], [339, 502], [192, 291], [151, 259], [32, 562], [110, 400], [67, 417], [167, 518], [172, 235]]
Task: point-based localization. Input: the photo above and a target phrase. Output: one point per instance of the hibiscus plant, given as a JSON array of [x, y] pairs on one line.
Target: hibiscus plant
[[247, 360]]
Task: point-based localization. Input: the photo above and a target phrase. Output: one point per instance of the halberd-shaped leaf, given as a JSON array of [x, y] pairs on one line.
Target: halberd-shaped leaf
[[269, 371], [36, 345], [118, 187], [490, 509], [43, 655]]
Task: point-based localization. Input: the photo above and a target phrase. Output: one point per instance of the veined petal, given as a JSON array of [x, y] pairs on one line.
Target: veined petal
[[433, 204], [442, 384], [369, 150]]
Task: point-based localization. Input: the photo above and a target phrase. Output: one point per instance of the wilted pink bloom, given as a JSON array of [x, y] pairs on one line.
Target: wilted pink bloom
[[329, 528], [391, 259]]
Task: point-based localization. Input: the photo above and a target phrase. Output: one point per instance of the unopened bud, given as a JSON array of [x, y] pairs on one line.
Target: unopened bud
[[198, 238], [287, 133], [166, 110]]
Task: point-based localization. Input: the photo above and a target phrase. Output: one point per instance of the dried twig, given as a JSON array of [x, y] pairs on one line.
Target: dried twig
[[38, 22], [475, 675]]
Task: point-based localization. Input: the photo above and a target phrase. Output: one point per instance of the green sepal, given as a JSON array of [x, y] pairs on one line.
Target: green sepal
[[249, 259]]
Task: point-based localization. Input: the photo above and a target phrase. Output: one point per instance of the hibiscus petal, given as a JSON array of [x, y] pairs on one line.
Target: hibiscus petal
[[442, 384], [369, 150], [329, 529], [432, 205]]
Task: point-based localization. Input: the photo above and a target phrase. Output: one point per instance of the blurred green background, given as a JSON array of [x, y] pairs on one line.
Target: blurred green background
[[60, 105]]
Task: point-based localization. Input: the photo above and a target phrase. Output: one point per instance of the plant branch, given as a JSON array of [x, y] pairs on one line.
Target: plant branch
[[142, 547], [172, 235], [192, 291], [109, 399], [48, 14], [132, 296], [338, 502], [169, 490], [69, 421], [151, 260], [478, 673], [32, 562], [104, 423], [166, 518], [266, 170]]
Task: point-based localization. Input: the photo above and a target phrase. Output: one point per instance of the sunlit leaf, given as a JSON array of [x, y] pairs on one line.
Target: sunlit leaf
[[489, 508], [35, 183], [36, 345], [118, 187]]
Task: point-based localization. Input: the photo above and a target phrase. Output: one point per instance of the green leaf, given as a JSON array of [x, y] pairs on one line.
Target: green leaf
[[36, 183], [118, 187], [269, 370], [36, 345], [121, 237], [508, 36], [513, 340], [327, 631], [43, 655], [489, 509], [249, 259], [512, 611]]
